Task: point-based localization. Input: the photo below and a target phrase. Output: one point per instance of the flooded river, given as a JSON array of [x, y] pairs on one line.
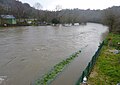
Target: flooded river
[[27, 53]]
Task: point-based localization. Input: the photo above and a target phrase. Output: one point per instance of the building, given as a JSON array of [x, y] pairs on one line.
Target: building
[[7, 20]]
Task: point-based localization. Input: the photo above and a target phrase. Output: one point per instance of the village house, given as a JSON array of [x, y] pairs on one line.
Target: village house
[[7, 20]]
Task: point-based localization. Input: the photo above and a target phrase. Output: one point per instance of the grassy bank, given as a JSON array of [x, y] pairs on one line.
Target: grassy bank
[[107, 69]]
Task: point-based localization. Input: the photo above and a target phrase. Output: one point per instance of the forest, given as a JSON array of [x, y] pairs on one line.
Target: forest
[[109, 16]]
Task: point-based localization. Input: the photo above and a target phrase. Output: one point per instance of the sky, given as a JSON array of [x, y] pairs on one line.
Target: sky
[[81, 4]]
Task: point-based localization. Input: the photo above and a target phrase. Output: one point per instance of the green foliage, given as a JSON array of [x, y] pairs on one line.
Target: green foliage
[[115, 38], [55, 21], [47, 78], [107, 68], [109, 65]]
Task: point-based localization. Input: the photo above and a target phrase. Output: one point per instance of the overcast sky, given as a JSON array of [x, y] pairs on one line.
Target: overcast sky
[[81, 4]]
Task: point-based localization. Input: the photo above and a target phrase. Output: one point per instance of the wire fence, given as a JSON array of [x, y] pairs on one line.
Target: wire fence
[[90, 65]]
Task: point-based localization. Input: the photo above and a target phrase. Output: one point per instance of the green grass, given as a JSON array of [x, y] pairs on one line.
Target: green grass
[[47, 78], [107, 68], [115, 38]]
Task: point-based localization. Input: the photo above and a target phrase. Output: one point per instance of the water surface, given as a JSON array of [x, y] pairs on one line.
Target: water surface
[[26, 53]]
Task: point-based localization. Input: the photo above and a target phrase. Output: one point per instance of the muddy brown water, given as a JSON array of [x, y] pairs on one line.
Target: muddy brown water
[[27, 53]]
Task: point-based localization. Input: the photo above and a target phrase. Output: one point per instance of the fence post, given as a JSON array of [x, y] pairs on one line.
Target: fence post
[[84, 81]]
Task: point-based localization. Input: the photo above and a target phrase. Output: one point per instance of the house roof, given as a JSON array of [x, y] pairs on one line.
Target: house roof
[[7, 16]]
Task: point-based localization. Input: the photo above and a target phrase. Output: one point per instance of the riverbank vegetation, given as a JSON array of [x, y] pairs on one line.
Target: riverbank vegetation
[[47, 78], [107, 68]]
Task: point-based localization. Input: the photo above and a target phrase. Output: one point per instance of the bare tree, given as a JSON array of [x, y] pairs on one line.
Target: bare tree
[[109, 19], [38, 6], [1, 9], [58, 8]]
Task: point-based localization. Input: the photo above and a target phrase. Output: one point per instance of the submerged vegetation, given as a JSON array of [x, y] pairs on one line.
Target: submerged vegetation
[[47, 78], [107, 68]]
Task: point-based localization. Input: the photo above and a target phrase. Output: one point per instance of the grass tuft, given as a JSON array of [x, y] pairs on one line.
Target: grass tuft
[[47, 78]]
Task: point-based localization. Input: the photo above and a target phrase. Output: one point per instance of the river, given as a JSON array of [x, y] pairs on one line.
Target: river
[[28, 52]]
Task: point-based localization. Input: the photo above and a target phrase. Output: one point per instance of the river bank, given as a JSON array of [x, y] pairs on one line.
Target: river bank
[[107, 69]]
